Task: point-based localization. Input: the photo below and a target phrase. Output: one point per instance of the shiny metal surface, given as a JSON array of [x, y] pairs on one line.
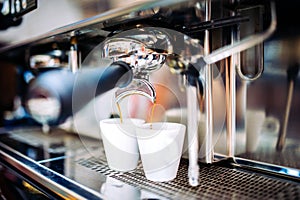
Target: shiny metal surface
[[230, 79], [230, 106], [76, 167], [192, 131], [55, 162], [58, 184], [245, 43], [282, 135], [266, 94], [74, 56], [209, 150], [86, 26], [137, 48]]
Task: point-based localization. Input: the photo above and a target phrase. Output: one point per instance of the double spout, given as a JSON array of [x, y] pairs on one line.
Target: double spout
[[142, 60]]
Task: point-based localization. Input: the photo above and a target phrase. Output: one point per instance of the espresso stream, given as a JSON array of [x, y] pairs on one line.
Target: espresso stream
[[151, 116], [120, 113], [152, 113]]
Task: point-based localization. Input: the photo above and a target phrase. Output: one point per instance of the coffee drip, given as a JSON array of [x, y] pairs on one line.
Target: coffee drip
[[151, 113]]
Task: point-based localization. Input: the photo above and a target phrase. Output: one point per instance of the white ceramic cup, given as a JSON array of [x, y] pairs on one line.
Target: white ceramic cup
[[160, 146], [120, 143], [179, 115], [254, 123]]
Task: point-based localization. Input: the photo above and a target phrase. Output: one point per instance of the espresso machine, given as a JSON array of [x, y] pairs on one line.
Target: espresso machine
[[228, 70]]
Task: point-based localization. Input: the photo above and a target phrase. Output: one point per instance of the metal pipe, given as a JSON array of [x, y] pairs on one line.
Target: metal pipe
[[74, 56], [260, 66], [192, 110], [282, 136], [231, 94], [230, 107], [292, 74], [192, 124], [208, 93], [243, 44]]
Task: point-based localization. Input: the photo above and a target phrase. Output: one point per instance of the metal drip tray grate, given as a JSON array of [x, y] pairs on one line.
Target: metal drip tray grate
[[216, 182]]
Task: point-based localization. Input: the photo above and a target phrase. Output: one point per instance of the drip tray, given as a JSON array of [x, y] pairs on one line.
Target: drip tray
[[83, 161], [216, 182]]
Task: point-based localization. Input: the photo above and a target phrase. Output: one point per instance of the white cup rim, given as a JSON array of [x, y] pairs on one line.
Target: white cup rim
[[153, 132], [117, 122]]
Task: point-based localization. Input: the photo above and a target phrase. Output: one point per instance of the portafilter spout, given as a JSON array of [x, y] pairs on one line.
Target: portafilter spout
[[140, 85], [137, 51]]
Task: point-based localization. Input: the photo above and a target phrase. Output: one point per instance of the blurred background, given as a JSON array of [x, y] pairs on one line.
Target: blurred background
[[54, 14], [51, 15]]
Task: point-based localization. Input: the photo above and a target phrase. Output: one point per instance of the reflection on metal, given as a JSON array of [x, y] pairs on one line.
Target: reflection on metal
[[230, 107], [138, 86], [74, 56], [59, 185], [245, 43], [138, 50], [208, 93], [93, 178], [51, 59], [260, 66], [291, 173], [292, 74], [192, 124], [282, 135], [183, 187], [95, 23], [44, 110], [230, 78], [235, 182]]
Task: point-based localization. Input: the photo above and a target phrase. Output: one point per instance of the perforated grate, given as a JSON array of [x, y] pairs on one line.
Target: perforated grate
[[216, 182]]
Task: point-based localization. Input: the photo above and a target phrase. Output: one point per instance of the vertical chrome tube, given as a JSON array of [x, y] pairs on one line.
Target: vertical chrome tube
[[230, 108], [208, 93], [74, 56], [231, 95], [282, 135], [192, 123], [192, 112]]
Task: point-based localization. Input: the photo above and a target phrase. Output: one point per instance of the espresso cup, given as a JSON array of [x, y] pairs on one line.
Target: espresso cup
[[120, 143], [160, 146]]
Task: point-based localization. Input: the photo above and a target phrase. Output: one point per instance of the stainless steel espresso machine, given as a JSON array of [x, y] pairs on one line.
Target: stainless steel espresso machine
[[228, 70]]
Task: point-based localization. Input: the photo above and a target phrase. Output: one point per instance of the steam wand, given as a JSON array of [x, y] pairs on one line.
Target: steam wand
[[292, 74]]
